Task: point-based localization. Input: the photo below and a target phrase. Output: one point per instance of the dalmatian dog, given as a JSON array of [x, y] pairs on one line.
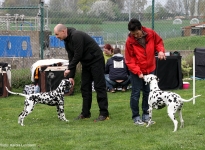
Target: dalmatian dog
[[29, 89], [52, 98], [159, 99]]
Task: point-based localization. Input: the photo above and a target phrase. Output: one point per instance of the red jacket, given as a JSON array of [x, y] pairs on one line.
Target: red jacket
[[141, 60]]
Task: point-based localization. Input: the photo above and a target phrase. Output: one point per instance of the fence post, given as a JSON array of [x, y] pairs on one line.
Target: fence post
[[153, 14], [42, 26]]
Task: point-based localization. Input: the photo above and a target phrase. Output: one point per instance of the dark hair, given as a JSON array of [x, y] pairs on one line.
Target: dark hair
[[134, 24], [116, 51]]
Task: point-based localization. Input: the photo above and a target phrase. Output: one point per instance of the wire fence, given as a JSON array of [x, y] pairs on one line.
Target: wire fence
[[26, 27]]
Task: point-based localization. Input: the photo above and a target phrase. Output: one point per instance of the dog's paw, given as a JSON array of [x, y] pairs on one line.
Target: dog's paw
[[148, 124]]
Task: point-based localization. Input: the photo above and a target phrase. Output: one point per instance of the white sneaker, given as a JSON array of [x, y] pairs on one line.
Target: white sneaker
[[139, 123]]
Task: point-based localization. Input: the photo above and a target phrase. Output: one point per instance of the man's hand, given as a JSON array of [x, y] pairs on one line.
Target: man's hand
[[66, 72], [72, 81], [161, 55], [141, 76]]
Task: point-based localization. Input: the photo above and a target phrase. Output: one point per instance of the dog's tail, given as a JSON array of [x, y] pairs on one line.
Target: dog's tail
[[21, 94], [184, 100]]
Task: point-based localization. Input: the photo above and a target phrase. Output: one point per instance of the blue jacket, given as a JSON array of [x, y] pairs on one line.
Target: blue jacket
[[116, 67]]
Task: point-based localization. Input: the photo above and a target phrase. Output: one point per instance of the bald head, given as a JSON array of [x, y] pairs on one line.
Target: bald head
[[59, 27], [60, 31]]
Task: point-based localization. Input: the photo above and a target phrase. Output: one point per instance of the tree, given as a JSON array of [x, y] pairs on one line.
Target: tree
[[63, 5], [85, 5], [103, 7], [174, 6], [21, 3], [160, 11], [15, 3], [119, 3], [201, 10], [55, 5], [192, 7], [186, 7]]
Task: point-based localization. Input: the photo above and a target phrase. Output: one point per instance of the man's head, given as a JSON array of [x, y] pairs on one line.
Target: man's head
[[60, 31], [135, 26], [117, 51]]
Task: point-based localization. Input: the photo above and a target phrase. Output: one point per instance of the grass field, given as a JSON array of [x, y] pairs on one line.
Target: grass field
[[44, 131], [116, 32], [121, 27]]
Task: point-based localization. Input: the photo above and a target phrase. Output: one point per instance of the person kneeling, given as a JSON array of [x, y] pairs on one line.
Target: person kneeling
[[118, 72]]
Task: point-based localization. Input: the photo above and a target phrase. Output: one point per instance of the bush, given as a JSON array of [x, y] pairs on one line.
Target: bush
[[20, 78], [186, 65]]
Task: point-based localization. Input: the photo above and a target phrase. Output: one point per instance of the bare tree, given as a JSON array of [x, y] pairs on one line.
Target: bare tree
[[180, 7], [138, 5], [201, 10], [85, 5], [120, 3], [186, 7], [192, 7], [13, 3], [103, 7], [20, 3], [55, 5], [174, 6]]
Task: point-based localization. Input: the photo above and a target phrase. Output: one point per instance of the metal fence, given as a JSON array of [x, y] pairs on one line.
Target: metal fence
[[104, 20]]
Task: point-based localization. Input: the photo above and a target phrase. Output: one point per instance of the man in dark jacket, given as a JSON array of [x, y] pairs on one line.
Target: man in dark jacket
[[118, 72], [82, 48]]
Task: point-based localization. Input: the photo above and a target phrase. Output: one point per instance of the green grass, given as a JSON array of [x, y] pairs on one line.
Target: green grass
[[117, 31], [43, 130], [184, 43], [121, 27]]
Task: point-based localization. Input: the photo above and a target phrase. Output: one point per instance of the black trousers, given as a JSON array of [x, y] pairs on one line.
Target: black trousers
[[94, 72]]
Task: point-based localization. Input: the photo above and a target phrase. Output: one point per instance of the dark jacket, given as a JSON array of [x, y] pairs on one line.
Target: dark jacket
[[116, 68], [81, 48]]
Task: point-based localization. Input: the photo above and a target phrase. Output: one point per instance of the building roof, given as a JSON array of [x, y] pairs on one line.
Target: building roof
[[200, 25]]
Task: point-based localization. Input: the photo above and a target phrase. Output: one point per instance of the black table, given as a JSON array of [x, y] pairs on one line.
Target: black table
[[169, 72]]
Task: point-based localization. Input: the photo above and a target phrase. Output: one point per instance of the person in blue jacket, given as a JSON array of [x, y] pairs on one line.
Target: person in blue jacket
[[118, 72]]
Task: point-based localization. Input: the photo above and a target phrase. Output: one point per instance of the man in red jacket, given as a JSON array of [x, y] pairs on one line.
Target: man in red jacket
[[141, 45]]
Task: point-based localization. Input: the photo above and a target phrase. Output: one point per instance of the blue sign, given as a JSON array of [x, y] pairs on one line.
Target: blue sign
[[15, 46]]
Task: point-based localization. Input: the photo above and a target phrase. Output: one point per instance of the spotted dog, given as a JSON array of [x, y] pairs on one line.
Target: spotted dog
[[52, 98], [159, 99], [29, 89]]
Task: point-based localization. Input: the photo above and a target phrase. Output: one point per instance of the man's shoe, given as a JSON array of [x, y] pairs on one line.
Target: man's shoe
[[139, 123], [80, 117], [101, 118]]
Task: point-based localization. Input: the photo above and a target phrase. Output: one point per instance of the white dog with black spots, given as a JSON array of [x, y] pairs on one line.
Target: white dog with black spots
[[159, 99], [52, 98]]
